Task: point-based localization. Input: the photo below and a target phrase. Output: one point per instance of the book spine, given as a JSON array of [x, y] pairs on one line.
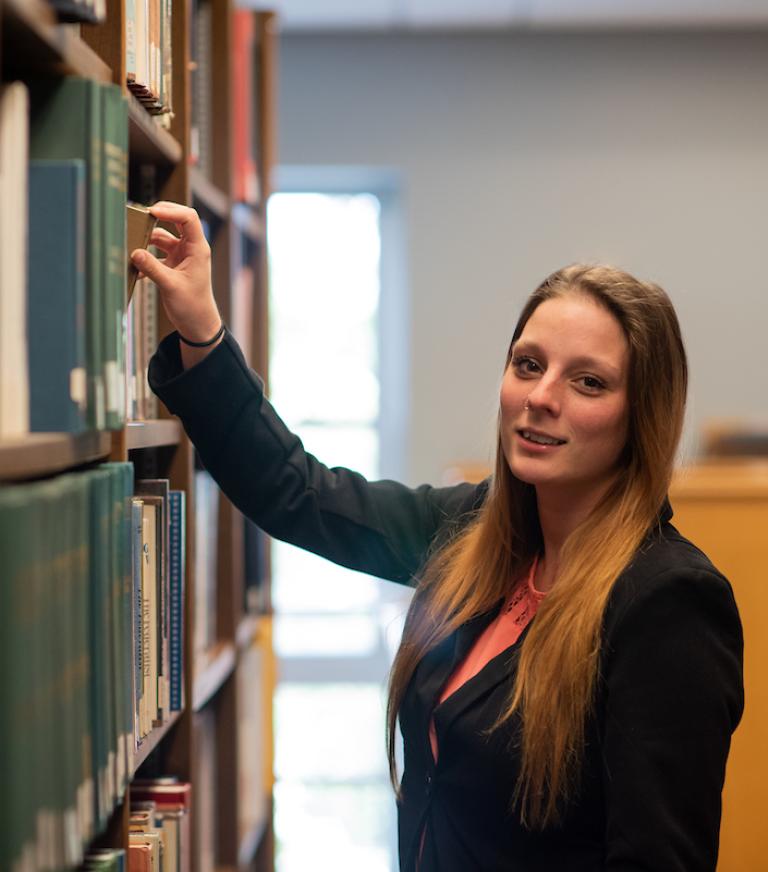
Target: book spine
[[14, 388], [56, 296], [130, 40], [138, 636], [115, 164], [177, 571]]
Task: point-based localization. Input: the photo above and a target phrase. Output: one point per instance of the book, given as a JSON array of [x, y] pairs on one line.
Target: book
[[114, 192], [66, 123], [75, 118], [252, 787], [150, 573], [156, 490], [149, 54], [121, 580], [170, 800], [139, 223], [202, 99], [14, 384], [177, 572], [205, 562], [206, 794], [56, 296], [246, 180]]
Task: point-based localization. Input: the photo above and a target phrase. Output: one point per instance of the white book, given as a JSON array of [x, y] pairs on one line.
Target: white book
[[14, 159]]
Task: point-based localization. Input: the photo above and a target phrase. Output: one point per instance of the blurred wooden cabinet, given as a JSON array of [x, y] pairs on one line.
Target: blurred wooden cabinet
[[723, 508]]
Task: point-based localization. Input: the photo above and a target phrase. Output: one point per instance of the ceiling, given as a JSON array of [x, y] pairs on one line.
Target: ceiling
[[383, 15]]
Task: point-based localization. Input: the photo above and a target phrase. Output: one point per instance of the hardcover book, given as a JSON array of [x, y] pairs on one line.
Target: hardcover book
[[139, 223]]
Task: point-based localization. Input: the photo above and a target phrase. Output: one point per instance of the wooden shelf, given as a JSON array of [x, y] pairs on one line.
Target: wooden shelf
[[211, 198], [40, 454], [147, 141], [153, 740], [220, 666], [33, 42], [152, 434], [248, 222]]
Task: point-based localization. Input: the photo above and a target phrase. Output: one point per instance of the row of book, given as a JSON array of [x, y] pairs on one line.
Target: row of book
[[148, 47], [85, 363], [63, 181], [148, 55], [159, 831], [245, 103], [91, 642]]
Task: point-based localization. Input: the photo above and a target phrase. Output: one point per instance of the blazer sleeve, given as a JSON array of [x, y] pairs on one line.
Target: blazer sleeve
[[673, 680], [383, 528]]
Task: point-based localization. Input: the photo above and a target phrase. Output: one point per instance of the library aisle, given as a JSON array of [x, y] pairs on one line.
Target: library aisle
[[136, 661]]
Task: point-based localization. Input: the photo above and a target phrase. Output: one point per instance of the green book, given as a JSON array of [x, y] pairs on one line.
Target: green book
[[121, 600], [98, 616], [84, 732], [115, 138], [66, 122], [56, 296], [17, 799]]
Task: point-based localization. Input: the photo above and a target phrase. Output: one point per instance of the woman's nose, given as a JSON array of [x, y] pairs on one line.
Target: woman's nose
[[545, 397]]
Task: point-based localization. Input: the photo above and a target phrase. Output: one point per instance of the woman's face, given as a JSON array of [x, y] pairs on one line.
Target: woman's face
[[569, 366]]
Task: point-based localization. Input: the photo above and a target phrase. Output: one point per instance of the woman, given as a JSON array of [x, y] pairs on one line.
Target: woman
[[593, 737]]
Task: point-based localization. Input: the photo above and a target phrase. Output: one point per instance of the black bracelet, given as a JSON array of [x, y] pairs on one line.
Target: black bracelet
[[218, 336]]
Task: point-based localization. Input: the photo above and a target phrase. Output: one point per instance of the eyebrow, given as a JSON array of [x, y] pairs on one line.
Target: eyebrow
[[584, 360]]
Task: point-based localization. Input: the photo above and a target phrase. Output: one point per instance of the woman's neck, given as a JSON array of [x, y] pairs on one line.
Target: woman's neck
[[559, 515]]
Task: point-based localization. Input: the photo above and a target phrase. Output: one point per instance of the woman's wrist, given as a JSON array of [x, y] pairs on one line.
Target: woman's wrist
[[195, 343], [191, 355], [198, 339]]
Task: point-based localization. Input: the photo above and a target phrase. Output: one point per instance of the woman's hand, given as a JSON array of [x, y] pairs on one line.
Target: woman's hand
[[183, 276]]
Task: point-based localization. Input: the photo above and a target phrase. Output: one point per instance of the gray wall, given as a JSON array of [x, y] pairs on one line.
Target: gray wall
[[520, 153]]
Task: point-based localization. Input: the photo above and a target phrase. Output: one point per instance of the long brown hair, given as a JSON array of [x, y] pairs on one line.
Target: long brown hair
[[558, 666]]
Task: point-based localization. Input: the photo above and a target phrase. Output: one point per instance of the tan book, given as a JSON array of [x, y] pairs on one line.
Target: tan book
[[149, 575], [139, 226], [14, 380]]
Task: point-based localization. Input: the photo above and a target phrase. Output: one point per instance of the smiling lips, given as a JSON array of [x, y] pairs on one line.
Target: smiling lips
[[540, 438]]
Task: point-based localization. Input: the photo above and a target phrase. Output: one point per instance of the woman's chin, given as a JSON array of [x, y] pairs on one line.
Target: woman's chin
[[531, 473]]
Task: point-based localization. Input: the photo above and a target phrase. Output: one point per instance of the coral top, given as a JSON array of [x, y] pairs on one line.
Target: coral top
[[503, 631]]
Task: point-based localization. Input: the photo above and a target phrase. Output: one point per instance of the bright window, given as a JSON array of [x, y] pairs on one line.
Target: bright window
[[334, 807]]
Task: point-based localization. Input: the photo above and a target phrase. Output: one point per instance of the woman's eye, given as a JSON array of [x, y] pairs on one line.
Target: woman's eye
[[525, 365], [591, 383]]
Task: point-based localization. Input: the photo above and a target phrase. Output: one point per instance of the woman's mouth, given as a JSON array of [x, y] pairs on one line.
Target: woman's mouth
[[532, 437]]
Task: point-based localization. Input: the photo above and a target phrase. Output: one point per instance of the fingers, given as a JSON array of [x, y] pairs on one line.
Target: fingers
[[164, 240], [184, 217], [152, 268]]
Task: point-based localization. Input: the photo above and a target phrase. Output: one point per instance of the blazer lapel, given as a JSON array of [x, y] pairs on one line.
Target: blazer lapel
[[438, 665], [501, 668]]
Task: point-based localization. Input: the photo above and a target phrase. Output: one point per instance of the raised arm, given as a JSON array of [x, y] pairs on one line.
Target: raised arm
[[383, 528]]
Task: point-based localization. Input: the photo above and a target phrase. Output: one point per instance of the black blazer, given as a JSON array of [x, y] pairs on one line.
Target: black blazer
[[670, 690]]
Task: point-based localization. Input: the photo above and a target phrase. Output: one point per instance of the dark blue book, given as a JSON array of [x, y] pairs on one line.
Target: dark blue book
[[176, 555], [56, 294]]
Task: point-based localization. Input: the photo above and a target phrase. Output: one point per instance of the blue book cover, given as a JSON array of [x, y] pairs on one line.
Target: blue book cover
[[56, 294], [176, 571]]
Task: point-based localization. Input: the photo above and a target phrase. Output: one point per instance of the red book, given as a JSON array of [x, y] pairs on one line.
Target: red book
[[246, 183], [139, 858]]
